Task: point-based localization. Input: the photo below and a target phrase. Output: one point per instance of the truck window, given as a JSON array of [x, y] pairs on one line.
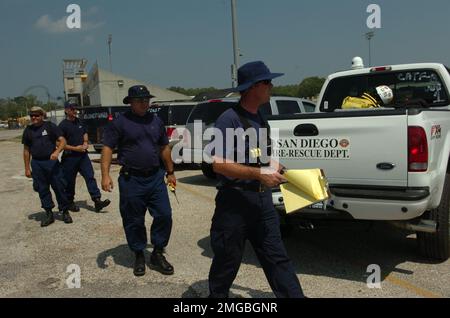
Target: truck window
[[209, 112], [407, 86], [180, 113], [309, 107], [287, 107], [162, 112]]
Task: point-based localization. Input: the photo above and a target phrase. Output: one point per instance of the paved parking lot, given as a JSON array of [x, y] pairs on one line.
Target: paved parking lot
[[330, 261]]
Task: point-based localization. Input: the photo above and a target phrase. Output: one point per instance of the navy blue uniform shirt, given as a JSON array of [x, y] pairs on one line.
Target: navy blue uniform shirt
[[73, 131], [41, 139], [230, 119], [138, 139]]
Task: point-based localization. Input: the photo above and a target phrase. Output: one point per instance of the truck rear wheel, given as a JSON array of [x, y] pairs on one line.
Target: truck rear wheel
[[436, 245], [208, 170]]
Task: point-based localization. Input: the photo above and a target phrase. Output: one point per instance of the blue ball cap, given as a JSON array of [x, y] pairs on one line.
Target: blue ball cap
[[70, 104]]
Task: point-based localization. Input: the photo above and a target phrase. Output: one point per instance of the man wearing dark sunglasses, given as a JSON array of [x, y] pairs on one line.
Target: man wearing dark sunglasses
[[75, 159], [42, 143], [244, 209]]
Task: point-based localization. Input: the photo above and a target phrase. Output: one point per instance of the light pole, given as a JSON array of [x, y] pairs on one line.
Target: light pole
[[109, 46], [369, 36], [235, 66]]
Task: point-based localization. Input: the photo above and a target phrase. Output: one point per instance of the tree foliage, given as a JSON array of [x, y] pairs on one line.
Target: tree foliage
[[19, 106], [310, 87], [192, 91], [287, 90]]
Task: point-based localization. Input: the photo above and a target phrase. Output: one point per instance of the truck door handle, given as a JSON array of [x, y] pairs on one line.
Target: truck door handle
[[306, 130]]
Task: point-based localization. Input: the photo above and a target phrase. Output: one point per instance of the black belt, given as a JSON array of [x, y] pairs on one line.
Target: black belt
[[126, 171], [252, 187], [40, 158]]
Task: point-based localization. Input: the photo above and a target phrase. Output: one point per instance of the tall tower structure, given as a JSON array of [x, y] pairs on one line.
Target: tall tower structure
[[74, 74]]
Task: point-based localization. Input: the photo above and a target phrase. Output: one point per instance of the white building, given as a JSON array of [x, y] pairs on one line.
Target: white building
[[103, 88]]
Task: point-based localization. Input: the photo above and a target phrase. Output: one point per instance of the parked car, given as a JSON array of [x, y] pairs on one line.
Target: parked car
[[209, 111], [96, 118], [174, 115]]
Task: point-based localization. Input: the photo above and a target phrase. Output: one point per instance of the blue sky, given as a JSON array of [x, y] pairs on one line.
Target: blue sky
[[188, 43]]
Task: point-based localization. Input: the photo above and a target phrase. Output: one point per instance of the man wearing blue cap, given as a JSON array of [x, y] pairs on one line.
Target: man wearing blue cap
[[244, 208], [142, 143], [75, 159]]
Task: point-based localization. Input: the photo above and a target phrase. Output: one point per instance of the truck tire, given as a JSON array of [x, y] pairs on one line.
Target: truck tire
[[436, 245], [208, 171]]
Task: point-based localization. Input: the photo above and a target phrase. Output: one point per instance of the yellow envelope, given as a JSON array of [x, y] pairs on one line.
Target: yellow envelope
[[304, 188]]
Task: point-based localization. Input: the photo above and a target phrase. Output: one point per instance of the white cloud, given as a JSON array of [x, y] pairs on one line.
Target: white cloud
[[47, 24]]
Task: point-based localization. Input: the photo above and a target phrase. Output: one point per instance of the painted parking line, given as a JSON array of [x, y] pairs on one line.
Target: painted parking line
[[413, 288]]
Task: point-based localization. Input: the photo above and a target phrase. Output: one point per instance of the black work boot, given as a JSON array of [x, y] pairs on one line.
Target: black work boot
[[159, 263], [73, 207], [99, 204], [49, 219], [139, 264], [66, 217]]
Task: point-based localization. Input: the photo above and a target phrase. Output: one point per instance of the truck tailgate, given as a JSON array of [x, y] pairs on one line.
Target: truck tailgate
[[367, 147]]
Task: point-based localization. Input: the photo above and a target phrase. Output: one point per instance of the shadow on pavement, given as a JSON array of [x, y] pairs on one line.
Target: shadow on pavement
[[84, 205], [39, 216], [200, 289], [344, 252], [121, 255], [198, 180]]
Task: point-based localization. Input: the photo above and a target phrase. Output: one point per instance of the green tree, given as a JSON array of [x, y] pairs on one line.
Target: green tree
[[287, 90], [310, 87], [191, 91], [20, 106]]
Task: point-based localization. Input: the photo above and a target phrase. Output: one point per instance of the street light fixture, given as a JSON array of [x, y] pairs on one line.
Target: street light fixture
[[369, 36]]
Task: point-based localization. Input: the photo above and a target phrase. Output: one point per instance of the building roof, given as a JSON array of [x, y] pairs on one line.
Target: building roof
[[106, 88]]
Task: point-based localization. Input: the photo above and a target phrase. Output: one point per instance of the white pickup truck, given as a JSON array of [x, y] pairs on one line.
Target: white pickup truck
[[388, 163]]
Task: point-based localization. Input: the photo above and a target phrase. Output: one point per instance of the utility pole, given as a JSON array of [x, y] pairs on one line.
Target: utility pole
[[235, 66], [369, 36], [109, 46]]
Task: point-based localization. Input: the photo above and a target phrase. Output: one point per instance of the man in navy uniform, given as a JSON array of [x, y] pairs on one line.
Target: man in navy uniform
[[142, 142], [76, 159], [244, 208], [42, 143]]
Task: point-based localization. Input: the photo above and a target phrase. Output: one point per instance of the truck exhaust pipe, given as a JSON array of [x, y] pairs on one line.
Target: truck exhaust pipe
[[424, 226]]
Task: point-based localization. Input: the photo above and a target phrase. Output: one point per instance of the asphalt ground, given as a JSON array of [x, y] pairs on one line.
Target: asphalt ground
[[331, 261]]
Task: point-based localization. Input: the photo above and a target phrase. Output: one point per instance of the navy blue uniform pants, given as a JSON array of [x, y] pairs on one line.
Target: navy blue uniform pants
[[242, 215], [137, 194], [82, 164], [48, 173]]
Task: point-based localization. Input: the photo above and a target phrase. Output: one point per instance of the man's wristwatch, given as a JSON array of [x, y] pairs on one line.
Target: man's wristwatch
[[169, 173]]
